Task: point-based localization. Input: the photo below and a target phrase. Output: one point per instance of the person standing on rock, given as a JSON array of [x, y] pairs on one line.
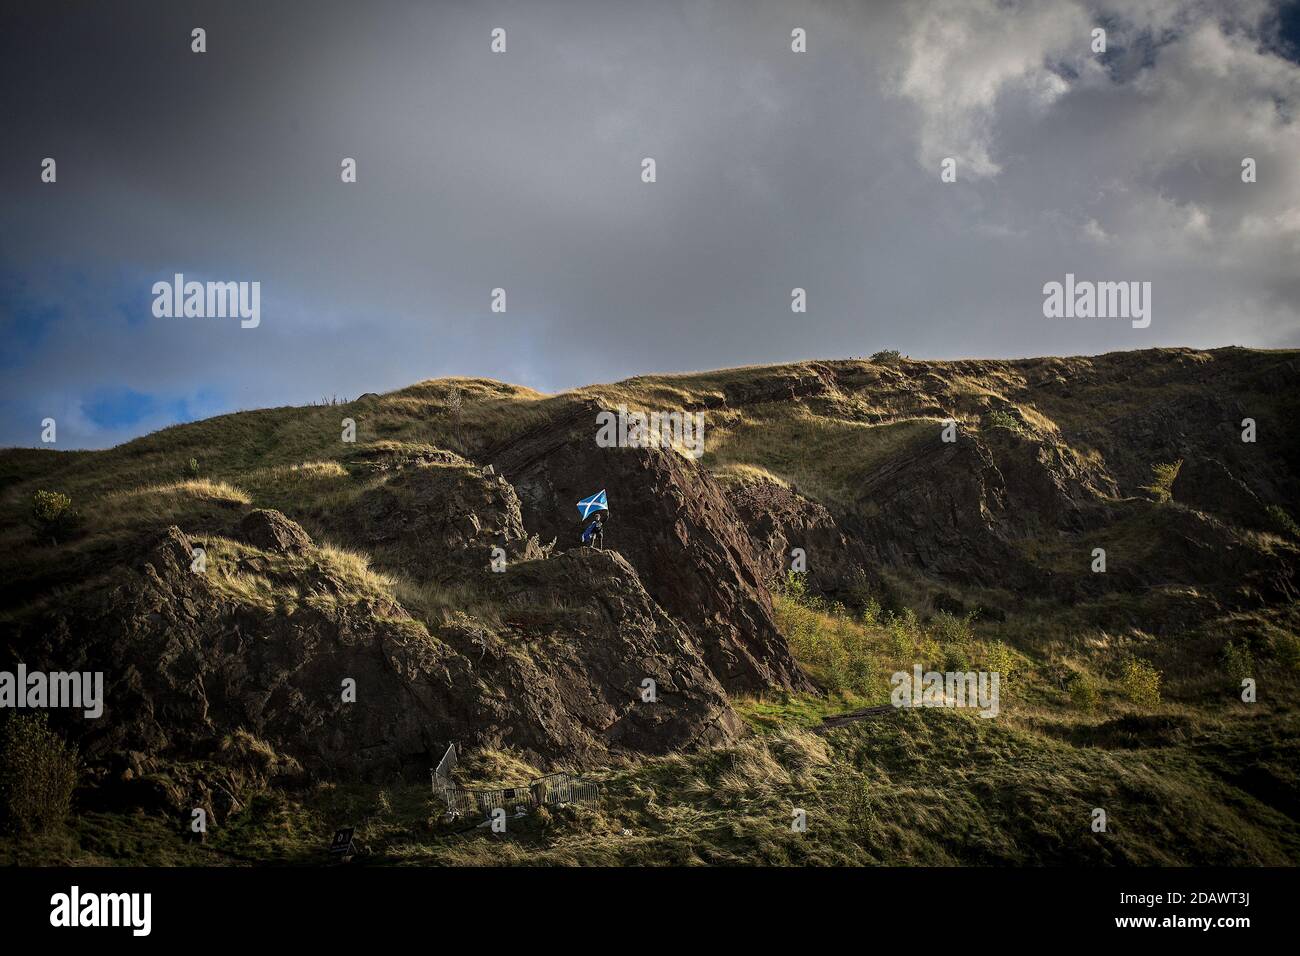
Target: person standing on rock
[[595, 533]]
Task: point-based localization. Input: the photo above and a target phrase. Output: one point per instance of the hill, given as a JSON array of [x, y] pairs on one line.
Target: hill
[[433, 562]]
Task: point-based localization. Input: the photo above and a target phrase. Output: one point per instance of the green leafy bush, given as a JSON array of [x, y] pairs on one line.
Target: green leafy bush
[[951, 629], [1001, 660], [192, 468], [872, 613], [956, 658], [54, 516], [1141, 683], [1286, 648], [1085, 695], [1002, 419], [793, 587], [887, 356], [1238, 662], [904, 634], [38, 773], [1285, 523], [1162, 480]]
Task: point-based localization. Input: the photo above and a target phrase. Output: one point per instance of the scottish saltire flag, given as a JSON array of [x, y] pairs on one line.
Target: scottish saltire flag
[[596, 502]]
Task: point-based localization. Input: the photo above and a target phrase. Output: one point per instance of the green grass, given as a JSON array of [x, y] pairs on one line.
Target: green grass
[[825, 458], [921, 787]]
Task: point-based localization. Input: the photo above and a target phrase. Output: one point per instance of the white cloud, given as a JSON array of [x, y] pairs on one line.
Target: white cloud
[[963, 57]]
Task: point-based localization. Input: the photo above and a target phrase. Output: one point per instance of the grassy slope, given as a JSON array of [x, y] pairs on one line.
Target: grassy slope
[[1196, 778]]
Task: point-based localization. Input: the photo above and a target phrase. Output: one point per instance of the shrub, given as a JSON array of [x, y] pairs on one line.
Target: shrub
[[1238, 662], [887, 356], [951, 629], [904, 632], [872, 613], [1001, 661], [38, 772], [192, 469], [1141, 683], [793, 587], [1162, 480], [1286, 648], [1002, 419], [54, 516], [1285, 523], [1085, 695]]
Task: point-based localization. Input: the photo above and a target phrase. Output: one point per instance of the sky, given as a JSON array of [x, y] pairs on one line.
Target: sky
[[522, 170]]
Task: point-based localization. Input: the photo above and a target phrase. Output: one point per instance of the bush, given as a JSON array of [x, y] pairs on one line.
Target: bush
[[38, 772], [904, 632], [887, 356], [1162, 480], [1141, 683], [1001, 661], [1286, 648], [52, 511], [872, 613], [951, 629], [1085, 695], [1285, 523], [192, 469], [1238, 662], [793, 587], [956, 660], [1002, 419]]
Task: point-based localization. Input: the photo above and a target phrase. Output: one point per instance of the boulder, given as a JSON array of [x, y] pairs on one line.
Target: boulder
[[271, 531]]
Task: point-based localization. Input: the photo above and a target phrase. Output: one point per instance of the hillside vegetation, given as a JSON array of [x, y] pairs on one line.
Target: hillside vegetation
[[828, 537]]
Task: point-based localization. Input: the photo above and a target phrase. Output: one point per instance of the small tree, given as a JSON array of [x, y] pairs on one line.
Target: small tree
[[1162, 480], [1084, 693], [53, 514], [456, 407], [794, 587], [1001, 660], [38, 773], [1286, 649], [1141, 683]]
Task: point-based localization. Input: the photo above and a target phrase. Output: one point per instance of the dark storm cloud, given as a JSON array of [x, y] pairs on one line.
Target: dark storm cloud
[[522, 171]]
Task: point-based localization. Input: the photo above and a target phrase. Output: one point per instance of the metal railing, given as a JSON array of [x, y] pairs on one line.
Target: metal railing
[[554, 789]]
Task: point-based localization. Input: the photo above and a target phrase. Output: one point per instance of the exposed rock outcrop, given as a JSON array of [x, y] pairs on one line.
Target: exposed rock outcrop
[[673, 523], [1206, 485], [189, 660], [272, 531], [440, 523]]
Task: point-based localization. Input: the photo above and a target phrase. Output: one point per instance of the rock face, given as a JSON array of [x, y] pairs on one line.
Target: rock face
[[583, 638], [780, 519], [187, 663], [672, 522], [1206, 485], [272, 531], [440, 522]]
